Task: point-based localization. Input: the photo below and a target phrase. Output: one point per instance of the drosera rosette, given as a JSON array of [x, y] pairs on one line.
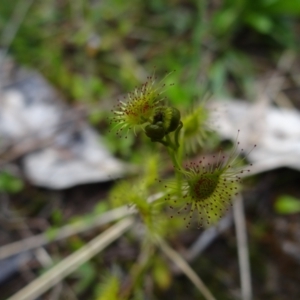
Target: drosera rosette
[[138, 107], [207, 188]]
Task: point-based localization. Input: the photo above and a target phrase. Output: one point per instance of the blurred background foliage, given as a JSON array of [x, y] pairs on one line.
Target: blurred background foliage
[[94, 52]]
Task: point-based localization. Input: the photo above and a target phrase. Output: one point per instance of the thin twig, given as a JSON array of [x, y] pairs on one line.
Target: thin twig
[[63, 232], [69, 230], [186, 269], [72, 262], [243, 253]]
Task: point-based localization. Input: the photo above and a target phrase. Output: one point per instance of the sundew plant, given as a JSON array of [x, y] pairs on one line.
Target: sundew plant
[[197, 189], [202, 189], [178, 186]]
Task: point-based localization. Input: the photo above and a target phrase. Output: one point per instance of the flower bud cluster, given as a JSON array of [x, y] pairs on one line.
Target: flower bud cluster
[[165, 120]]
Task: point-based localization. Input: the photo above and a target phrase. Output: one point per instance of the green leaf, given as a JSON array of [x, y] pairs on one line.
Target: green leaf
[[287, 205], [10, 183], [284, 7], [261, 23], [224, 20]]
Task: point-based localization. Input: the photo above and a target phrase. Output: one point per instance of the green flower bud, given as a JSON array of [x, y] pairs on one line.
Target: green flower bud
[[168, 116], [155, 131]]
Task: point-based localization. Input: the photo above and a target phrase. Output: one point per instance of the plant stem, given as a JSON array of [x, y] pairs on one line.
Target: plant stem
[[176, 136], [175, 162], [170, 143], [177, 168]]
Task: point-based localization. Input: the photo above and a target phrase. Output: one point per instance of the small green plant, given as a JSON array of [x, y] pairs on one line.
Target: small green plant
[[206, 190], [198, 191], [201, 190]]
